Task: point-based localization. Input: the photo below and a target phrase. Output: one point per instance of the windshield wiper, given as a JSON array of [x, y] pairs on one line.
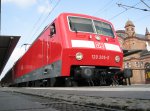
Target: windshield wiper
[[72, 26], [75, 29]]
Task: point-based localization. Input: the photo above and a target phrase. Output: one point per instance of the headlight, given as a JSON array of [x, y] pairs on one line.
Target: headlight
[[117, 59], [79, 56]]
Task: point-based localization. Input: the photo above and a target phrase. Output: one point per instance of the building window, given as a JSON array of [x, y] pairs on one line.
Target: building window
[[127, 29], [137, 64], [127, 65], [132, 29], [141, 64]]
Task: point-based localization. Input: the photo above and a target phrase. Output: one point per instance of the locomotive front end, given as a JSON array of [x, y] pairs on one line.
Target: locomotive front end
[[94, 53]]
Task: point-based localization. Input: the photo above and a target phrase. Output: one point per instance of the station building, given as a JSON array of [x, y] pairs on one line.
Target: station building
[[138, 62], [7, 46]]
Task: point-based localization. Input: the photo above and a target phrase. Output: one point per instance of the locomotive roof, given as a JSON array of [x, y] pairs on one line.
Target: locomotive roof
[[7, 45]]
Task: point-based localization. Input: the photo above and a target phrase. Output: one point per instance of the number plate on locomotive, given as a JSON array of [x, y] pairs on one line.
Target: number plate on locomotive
[[100, 57]]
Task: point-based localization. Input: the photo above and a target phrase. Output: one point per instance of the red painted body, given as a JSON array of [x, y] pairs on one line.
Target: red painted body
[[47, 50]]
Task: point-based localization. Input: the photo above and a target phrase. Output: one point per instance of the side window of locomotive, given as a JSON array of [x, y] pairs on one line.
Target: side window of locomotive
[[80, 24], [52, 29], [103, 28]]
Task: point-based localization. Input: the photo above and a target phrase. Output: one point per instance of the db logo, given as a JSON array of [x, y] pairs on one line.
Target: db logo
[[99, 45]]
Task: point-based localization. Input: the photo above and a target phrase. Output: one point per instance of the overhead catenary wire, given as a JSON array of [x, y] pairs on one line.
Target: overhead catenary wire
[[46, 17], [126, 9], [145, 3], [121, 5], [104, 7], [39, 19], [107, 6]]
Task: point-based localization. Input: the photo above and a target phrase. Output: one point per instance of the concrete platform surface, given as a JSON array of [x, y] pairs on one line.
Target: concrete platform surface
[[10, 101], [130, 98]]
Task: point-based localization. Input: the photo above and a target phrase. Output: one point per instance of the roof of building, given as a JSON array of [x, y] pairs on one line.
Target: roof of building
[[147, 32], [130, 52], [140, 36], [123, 32], [7, 45], [129, 23]]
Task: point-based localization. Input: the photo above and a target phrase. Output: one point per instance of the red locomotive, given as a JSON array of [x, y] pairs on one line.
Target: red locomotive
[[73, 49]]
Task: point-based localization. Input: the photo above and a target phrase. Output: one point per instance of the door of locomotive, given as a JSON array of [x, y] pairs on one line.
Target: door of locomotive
[[52, 42], [47, 44]]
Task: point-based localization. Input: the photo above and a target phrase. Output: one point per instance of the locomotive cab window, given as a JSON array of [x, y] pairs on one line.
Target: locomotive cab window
[[52, 29], [92, 26], [103, 28], [81, 24]]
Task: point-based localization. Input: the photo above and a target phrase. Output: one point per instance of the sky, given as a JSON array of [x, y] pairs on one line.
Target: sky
[[27, 18]]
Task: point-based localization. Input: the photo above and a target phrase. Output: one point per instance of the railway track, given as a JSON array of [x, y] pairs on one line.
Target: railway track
[[65, 105], [62, 105], [87, 99]]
